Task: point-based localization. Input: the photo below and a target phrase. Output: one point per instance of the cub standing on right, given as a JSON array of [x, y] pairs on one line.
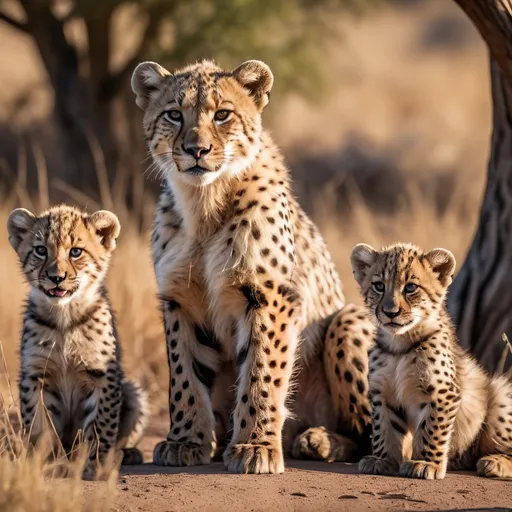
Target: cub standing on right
[[434, 407]]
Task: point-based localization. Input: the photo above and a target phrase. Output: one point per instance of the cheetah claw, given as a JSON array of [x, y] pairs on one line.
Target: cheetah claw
[[422, 469], [254, 459], [168, 453]]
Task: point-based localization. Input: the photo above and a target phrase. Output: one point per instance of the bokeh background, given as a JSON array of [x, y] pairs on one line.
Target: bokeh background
[[382, 109]]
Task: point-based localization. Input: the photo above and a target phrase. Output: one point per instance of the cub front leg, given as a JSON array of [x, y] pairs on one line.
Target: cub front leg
[[192, 369], [391, 438], [431, 443], [267, 340], [102, 409]]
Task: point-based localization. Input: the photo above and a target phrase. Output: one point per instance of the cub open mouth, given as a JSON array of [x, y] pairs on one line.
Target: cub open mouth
[[57, 292]]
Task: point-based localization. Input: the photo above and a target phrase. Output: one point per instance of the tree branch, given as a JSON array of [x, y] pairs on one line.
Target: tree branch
[[114, 81], [13, 23], [493, 19]]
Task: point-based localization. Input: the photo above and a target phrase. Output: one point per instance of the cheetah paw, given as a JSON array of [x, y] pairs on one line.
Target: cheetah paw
[[319, 444], [168, 453], [253, 458], [495, 466], [422, 469], [131, 457], [371, 465]]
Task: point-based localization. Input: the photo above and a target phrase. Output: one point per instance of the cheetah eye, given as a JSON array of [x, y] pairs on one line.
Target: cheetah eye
[[378, 286], [174, 116], [410, 288], [40, 251], [75, 252], [222, 115]]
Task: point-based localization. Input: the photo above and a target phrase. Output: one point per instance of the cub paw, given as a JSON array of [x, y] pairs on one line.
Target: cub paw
[[254, 458], [168, 453], [371, 465], [131, 457], [495, 466], [422, 469]]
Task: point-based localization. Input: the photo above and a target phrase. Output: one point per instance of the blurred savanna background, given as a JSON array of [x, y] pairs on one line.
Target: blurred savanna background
[[382, 109]]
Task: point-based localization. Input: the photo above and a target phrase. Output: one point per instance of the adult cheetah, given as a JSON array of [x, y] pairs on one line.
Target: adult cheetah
[[247, 285]]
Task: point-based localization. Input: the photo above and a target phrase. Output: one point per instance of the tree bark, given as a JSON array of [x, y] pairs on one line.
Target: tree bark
[[480, 298]]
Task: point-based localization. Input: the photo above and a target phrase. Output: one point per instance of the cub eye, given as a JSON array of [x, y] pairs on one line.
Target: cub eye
[[378, 286], [410, 288], [40, 250], [173, 116], [75, 252], [222, 115]]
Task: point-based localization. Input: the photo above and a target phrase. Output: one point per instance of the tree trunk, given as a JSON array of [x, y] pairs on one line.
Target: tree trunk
[[480, 298]]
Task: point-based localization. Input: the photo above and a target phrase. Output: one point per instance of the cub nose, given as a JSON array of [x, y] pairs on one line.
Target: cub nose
[[196, 151], [56, 278], [391, 309]]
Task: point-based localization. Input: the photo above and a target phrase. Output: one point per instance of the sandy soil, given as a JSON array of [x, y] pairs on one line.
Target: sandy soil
[[305, 486]]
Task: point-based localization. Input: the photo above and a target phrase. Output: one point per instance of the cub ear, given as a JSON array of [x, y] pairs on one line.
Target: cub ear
[[146, 79], [362, 257], [442, 263], [256, 76], [19, 222], [107, 227]]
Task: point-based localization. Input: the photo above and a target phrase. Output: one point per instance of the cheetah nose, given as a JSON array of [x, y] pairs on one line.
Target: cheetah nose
[[56, 278], [196, 151], [390, 313]]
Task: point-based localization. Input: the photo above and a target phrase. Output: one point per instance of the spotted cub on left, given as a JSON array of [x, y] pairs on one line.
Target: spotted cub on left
[[434, 407], [70, 372]]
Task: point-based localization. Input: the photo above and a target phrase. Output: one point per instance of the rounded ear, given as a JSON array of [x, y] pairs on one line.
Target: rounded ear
[[19, 222], [256, 76], [442, 263], [107, 227], [146, 80], [362, 257]]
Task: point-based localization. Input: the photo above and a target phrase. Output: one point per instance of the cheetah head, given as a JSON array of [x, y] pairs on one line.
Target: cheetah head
[[402, 286], [64, 253], [201, 122]]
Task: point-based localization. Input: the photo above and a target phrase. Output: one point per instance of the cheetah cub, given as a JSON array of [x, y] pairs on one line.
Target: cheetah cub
[[434, 407], [70, 373]]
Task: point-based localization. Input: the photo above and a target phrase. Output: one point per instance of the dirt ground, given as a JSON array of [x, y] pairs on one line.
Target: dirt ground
[[305, 486]]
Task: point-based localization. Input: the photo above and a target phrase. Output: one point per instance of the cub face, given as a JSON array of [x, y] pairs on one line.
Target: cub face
[[401, 285], [202, 122], [64, 253]]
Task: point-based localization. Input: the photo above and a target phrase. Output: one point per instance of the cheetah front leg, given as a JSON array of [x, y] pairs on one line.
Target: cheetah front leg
[[431, 443], [191, 439], [267, 340], [102, 410]]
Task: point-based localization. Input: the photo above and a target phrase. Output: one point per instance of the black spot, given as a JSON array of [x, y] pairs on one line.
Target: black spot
[[255, 297], [245, 398], [172, 305], [340, 354], [243, 424], [398, 427], [179, 416], [358, 364], [242, 355], [348, 376], [188, 425], [176, 326]]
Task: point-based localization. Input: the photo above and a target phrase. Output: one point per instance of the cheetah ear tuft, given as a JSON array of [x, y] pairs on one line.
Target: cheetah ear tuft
[[146, 80], [107, 227], [362, 257], [19, 222], [442, 263], [257, 78]]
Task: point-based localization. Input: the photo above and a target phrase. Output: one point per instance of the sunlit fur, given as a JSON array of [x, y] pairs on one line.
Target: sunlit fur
[[70, 354], [434, 407], [248, 287]]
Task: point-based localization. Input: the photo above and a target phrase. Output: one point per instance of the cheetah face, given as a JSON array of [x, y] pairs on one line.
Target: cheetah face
[[64, 253], [401, 286], [201, 122]]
